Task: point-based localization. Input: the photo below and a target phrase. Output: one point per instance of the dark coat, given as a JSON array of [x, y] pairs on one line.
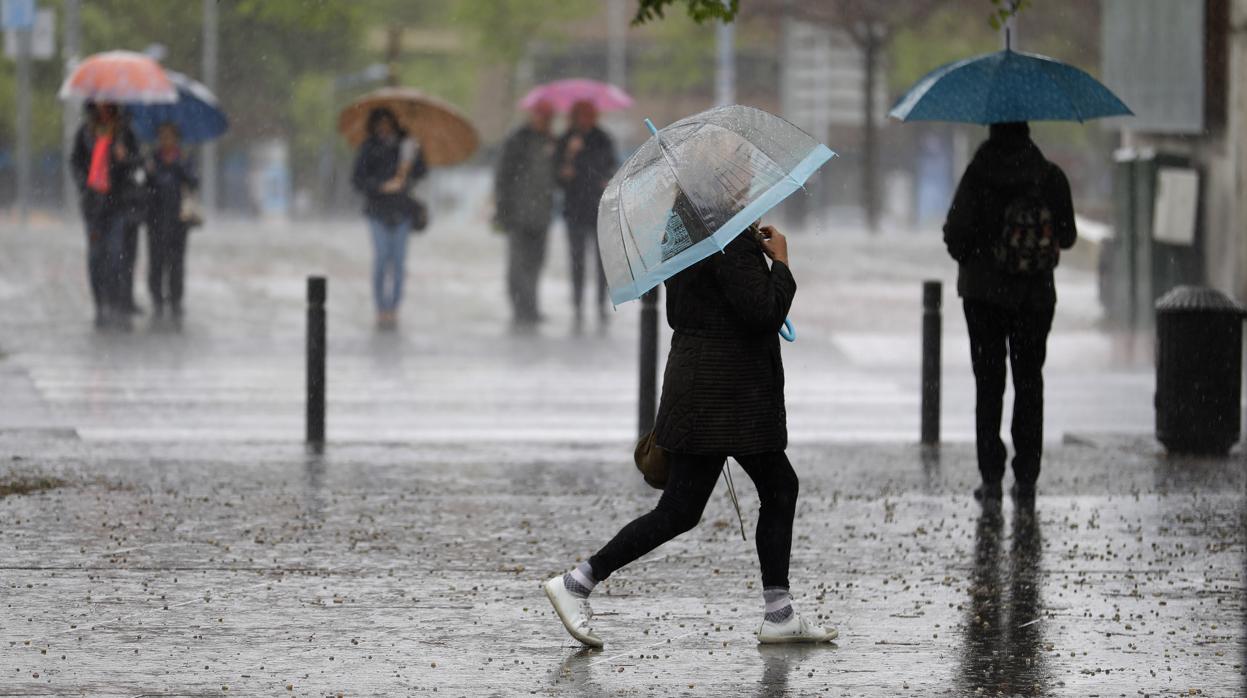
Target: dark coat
[[594, 165], [524, 181], [126, 197], [1005, 167], [375, 164], [165, 183], [723, 390]]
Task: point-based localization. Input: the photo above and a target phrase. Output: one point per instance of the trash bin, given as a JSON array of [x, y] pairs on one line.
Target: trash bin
[[1199, 355]]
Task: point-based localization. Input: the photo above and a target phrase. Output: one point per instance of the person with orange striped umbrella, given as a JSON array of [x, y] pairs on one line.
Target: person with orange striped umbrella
[[107, 166]]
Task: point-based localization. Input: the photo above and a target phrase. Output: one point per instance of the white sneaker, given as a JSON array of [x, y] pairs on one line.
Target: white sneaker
[[795, 629], [573, 610]]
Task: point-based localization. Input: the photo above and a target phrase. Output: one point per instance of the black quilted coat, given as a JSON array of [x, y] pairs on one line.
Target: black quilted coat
[[723, 390]]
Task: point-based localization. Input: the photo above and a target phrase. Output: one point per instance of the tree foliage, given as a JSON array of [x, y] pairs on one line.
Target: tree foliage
[[698, 10]]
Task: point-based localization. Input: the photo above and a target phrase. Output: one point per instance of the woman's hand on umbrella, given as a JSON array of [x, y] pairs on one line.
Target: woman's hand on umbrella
[[774, 244]]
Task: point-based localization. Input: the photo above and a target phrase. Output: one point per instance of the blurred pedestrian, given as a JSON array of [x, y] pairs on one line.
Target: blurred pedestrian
[[722, 396], [170, 178], [1010, 217], [387, 165], [105, 161], [524, 202], [584, 161]]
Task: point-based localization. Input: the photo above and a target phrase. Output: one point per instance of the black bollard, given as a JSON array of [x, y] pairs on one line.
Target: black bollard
[[316, 292], [648, 402], [932, 300]]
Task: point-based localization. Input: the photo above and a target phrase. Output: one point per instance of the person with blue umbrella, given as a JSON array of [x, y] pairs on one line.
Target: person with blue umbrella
[[684, 211], [171, 180], [1011, 216]]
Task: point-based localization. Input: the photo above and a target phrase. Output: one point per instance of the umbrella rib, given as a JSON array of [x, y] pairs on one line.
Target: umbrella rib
[[676, 174]]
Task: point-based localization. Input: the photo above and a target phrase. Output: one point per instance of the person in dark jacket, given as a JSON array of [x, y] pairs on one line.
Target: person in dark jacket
[[387, 165], [1008, 313], [722, 396], [524, 202], [584, 161], [104, 162], [169, 175]]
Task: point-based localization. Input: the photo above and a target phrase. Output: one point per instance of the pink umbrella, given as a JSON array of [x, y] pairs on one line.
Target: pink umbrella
[[562, 94]]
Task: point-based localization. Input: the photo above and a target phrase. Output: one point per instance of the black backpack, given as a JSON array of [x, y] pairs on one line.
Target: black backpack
[[1027, 243]]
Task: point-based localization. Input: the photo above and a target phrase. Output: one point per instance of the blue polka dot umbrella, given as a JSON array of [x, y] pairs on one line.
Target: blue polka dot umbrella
[[1008, 86]]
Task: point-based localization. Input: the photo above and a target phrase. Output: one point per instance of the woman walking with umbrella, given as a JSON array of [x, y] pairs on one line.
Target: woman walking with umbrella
[[171, 177], [195, 118], [104, 160], [723, 390], [387, 165], [400, 133]]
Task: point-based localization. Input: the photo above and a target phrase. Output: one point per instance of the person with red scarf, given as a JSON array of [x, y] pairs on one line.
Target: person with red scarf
[[104, 162]]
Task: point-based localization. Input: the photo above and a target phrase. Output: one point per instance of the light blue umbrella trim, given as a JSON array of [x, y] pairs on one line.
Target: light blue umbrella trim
[[728, 232]]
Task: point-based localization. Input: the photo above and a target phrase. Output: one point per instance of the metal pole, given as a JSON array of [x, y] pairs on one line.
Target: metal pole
[[932, 300], [616, 43], [211, 46], [23, 125], [316, 293], [725, 65], [70, 115], [648, 403]]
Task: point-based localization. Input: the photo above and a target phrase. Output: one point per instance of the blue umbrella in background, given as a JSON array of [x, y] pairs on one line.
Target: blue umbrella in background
[[1008, 86], [196, 113]]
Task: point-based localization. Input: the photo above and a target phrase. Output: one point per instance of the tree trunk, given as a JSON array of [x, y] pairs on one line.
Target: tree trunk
[[870, 155], [393, 51]]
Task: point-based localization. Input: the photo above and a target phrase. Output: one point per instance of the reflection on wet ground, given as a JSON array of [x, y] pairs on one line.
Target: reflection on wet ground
[[382, 570]]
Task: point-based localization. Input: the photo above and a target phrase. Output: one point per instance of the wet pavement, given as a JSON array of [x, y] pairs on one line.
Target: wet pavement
[[168, 535], [197, 569]]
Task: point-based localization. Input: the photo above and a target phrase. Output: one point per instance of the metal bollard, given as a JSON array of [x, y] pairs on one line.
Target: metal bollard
[[932, 300], [648, 402], [316, 293]]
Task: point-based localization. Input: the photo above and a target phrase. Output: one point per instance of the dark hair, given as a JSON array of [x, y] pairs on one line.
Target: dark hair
[[377, 115], [171, 126], [1009, 131]]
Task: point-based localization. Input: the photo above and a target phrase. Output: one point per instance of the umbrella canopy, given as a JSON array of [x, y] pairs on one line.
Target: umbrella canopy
[[693, 187], [1007, 86], [444, 133], [197, 115], [122, 77], [562, 94]]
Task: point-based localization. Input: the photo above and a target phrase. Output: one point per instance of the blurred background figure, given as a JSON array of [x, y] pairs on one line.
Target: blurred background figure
[[134, 201], [524, 200], [387, 164], [585, 159], [104, 161], [170, 179]]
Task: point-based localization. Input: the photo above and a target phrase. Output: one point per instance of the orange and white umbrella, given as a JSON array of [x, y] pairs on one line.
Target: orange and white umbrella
[[123, 77]]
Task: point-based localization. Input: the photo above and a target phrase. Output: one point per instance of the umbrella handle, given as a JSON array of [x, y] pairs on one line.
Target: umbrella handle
[[788, 332]]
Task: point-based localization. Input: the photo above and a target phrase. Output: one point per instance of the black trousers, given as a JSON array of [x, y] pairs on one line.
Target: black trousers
[[166, 262], [692, 479], [582, 240], [526, 254], [1021, 336], [105, 257], [130, 257]]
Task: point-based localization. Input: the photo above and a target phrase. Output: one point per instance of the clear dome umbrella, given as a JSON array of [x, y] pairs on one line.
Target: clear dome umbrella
[[693, 187]]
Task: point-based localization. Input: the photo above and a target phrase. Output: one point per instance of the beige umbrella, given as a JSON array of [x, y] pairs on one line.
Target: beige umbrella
[[446, 136]]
